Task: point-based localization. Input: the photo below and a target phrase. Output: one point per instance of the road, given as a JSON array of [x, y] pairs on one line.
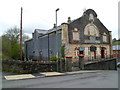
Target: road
[[101, 79]]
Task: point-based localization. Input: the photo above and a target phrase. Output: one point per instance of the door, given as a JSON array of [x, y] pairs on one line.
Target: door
[[92, 55], [102, 53]]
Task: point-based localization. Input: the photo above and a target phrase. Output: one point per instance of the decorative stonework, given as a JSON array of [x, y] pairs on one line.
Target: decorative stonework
[[91, 18], [92, 30]]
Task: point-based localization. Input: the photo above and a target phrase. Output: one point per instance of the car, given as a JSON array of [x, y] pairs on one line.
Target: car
[[118, 64]]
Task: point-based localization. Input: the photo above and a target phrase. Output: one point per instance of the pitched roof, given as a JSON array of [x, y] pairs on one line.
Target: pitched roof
[[41, 31], [48, 31], [54, 29], [88, 11]]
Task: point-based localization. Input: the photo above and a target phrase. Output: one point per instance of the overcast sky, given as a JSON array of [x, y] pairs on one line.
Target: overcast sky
[[40, 14]]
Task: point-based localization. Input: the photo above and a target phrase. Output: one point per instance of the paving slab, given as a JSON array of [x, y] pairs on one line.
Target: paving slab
[[52, 73], [16, 77], [80, 72], [38, 75]]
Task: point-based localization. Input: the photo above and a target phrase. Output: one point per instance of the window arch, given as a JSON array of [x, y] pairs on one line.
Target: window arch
[[91, 30]]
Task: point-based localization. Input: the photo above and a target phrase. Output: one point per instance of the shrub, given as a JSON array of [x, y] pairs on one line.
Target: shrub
[[54, 58]]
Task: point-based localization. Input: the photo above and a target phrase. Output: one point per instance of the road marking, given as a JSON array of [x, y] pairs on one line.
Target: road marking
[[15, 77], [51, 73]]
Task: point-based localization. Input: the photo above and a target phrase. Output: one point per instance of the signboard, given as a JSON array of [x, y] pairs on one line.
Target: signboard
[[92, 41], [68, 56], [81, 48], [92, 48]]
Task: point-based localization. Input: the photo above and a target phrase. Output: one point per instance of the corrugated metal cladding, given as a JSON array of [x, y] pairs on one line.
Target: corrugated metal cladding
[[43, 47], [29, 49], [53, 45]]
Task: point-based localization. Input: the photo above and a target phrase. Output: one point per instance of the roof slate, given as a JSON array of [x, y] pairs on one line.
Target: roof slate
[[41, 31]]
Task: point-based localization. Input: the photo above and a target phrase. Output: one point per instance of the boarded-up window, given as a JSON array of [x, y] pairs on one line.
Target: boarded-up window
[[86, 50], [76, 35], [98, 51], [104, 37]]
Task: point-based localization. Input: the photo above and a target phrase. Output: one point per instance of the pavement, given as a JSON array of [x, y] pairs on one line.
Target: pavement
[[43, 74]]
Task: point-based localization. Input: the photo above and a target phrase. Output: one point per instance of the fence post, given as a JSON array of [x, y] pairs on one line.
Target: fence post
[[65, 65], [60, 65]]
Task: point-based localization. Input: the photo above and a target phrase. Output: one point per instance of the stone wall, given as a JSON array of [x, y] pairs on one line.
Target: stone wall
[[28, 66], [108, 64], [88, 55]]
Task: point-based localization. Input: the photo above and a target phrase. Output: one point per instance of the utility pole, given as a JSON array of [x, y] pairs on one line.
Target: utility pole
[[21, 35]]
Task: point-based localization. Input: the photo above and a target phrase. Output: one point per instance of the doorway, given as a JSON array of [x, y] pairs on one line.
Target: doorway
[[93, 55], [102, 52], [93, 52]]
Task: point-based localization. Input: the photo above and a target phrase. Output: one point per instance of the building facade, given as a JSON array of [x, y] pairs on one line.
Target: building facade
[[85, 36], [116, 51]]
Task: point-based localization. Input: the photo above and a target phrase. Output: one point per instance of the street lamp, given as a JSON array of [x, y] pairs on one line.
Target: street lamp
[[56, 38], [56, 17]]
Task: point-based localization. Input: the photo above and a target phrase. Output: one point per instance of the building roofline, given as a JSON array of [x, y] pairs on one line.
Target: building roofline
[[29, 40], [48, 33]]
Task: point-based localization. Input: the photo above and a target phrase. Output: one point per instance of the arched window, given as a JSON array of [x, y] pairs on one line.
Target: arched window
[[91, 32]]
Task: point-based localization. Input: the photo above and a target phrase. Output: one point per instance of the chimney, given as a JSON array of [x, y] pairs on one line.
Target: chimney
[[32, 35], [69, 20], [54, 26]]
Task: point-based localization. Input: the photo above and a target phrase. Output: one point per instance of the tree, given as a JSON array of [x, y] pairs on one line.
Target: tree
[[11, 44], [119, 39], [0, 48], [0, 44], [114, 40], [24, 38], [6, 48], [15, 51], [13, 35]]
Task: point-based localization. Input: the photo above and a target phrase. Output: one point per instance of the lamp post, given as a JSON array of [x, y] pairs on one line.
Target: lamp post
[[56, 38], [56, 15]]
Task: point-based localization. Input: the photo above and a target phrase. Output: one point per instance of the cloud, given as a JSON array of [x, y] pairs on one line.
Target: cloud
[[41, 13]]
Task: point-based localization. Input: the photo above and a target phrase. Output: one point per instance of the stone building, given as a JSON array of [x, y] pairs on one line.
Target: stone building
[[85, 36]]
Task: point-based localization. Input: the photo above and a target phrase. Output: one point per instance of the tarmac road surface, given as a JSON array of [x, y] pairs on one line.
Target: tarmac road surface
[[101, 79]]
